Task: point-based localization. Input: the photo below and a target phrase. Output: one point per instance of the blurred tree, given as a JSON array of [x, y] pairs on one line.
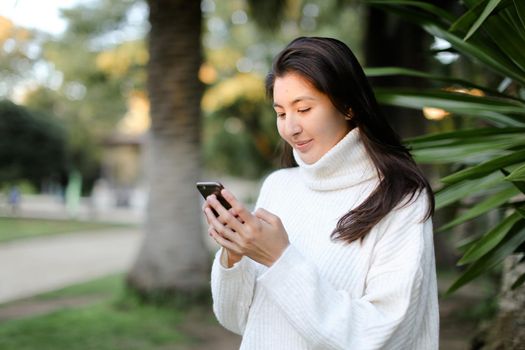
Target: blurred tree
[[19, 52], [93, 69], [173, 258], [83, 146], [240, 137], [32, 146]]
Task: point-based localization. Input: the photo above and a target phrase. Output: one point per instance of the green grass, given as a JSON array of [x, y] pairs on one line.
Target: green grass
[[103, 326], [111, 285], [12, 228], [120, 322]]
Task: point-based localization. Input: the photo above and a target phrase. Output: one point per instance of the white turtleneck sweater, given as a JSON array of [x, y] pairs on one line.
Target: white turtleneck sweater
[[380, 293]]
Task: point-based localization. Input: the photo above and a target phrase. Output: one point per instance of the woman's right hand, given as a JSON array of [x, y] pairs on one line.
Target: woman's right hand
[[231, 257]]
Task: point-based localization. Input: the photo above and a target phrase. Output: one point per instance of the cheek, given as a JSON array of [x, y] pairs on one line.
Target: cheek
[[280, 128], [335, 131]]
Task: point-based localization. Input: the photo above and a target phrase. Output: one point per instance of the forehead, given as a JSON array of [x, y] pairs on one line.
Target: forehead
[[291, 84]]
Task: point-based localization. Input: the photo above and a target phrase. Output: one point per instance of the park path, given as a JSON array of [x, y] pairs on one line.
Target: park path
[[32, 266]]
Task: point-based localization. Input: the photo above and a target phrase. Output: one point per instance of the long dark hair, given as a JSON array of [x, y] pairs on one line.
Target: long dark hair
[[331, 67]]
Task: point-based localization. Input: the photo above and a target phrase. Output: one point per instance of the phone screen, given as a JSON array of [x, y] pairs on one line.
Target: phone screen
[[211, 187]]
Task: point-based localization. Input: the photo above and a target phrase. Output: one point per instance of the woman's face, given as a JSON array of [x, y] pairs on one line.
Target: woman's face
[[306, 118]]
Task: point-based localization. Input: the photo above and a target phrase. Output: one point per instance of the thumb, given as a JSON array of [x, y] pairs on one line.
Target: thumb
[[265, 215]]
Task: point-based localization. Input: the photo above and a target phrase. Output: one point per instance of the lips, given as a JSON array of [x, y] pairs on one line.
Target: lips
[[303, 145]]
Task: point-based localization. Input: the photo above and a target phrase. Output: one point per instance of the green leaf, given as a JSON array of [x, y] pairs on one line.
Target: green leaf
[[486, 167], [465, 244], [483, 207], [512, 16], [453, 193], [517, 174], [514, 19], [491, 5], [506, 247], [520, 10], [468, 19], [497, 141], [519, 281], [502, 27], [520, 185], [477, 48], [492, 58], [453, 101], [464, 134], [490, 239], [449, 156], [468, 153], [494, 109], [389, 71], [505, 36]]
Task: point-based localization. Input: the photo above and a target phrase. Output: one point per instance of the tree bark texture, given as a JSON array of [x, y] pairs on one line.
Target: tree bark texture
[[173, 256], [507, 330]]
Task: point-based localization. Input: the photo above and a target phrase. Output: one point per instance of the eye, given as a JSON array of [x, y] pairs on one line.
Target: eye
[[280, 115], [304, 110]]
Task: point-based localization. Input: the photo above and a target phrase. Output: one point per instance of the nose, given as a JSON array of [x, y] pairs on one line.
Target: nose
[[293, 125]]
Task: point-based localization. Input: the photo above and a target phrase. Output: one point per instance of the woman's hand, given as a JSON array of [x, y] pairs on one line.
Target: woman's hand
[[231, 257], [260, 236]]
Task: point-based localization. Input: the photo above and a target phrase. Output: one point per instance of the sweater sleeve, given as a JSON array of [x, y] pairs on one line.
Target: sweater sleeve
[[386, 313], [232, 292]]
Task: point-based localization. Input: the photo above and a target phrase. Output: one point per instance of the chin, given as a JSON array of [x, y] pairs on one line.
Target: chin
[[310, 160]]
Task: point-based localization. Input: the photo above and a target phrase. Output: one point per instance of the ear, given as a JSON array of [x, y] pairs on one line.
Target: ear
[[349, 115]]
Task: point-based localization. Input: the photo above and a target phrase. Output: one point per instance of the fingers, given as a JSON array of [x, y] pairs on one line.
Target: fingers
[[227, 217], [223, 242], [205, 205], [267, 217], [234, 213], [238, 207], [219, 227]]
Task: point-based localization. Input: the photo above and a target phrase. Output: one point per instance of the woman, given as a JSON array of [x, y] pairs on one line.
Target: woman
[[339, 253]]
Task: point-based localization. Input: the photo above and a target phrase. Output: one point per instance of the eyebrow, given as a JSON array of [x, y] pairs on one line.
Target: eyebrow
[[298, 99]]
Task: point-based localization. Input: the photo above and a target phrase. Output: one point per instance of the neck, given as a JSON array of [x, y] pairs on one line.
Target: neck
[[344, 165]]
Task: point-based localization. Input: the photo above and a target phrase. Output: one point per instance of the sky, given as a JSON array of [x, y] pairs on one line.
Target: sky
[[44, 15], [40, 14]]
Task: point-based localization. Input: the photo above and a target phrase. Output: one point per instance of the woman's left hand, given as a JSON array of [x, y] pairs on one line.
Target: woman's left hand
[[260, 236]]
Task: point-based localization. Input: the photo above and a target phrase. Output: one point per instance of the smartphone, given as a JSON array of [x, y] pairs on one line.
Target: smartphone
[[207, 188]]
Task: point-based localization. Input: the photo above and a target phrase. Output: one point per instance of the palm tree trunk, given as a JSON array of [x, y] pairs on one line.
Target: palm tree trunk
[[173, 257], [507, 329]]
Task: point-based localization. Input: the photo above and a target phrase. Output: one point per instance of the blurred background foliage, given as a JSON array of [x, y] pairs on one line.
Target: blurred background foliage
[[239, 125], [89, 77], [82, 79], [20, 130]]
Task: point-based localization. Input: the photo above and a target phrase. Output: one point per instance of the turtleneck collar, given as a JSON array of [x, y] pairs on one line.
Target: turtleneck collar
[[344, 165]]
